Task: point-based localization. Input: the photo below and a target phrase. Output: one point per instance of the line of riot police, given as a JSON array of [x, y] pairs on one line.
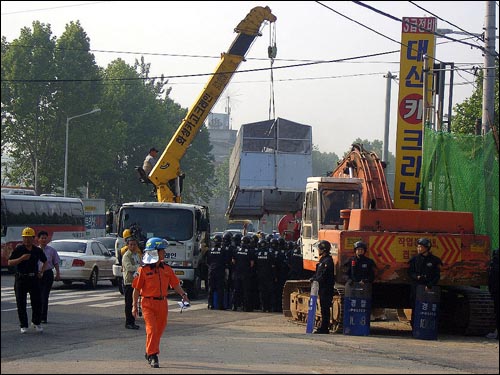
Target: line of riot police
[[249, 272]]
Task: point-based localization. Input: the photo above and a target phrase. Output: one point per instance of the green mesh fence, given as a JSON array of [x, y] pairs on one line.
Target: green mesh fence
[[460, 173]]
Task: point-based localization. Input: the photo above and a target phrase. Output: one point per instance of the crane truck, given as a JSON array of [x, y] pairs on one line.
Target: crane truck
[[186, 226], [354, 204]]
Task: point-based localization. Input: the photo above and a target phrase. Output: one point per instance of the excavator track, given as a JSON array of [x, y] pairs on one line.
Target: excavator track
[[466, 310], [295, 304]]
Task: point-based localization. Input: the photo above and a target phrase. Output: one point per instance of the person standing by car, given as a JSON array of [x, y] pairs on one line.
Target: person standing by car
[[26, 257], [48, 276], [131, 262], [325, 277], [152, 282]]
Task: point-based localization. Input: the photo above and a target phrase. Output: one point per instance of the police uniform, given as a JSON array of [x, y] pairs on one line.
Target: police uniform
[[423, 270], [216, 261], [325, 277], [265, 269], [243, 261], [153, 281], [360, 268]]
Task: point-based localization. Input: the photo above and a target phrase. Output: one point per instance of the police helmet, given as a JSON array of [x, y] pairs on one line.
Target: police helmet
[[274, 243], [246, 240], [217, 239], [227, 237], [262, 244], [424, 242], [360, 244], [282, 243], [324, 247]]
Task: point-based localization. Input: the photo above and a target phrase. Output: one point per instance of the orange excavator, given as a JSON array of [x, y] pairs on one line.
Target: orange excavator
[[354, 204]]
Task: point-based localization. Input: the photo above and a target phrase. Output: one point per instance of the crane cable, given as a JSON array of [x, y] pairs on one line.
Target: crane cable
[[271, 52]]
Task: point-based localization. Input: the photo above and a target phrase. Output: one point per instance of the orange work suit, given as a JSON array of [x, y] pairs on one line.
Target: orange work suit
[[153, 281]]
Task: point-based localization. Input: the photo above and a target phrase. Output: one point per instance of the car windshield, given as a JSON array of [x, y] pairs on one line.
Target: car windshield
[[69, 247], [109, 242]]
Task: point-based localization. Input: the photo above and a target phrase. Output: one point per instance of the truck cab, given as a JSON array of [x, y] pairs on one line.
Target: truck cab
[[185, 227]]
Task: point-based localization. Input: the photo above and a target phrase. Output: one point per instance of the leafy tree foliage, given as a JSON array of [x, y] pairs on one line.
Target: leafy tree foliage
[[470, 110], [48, 83], [323, 163], [28, 104]]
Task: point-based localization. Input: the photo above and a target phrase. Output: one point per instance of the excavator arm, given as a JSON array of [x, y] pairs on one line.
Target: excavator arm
[[166, 174], [363, 164]]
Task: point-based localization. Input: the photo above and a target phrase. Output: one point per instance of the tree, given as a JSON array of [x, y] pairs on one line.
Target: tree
[[470, 110], [45, 81], [323, 162], [28, 110]]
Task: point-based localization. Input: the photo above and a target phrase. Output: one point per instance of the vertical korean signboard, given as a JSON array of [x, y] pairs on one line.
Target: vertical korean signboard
[[417, 40], [95, 217]]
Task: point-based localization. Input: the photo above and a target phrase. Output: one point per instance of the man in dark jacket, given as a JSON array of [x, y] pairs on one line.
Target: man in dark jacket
[[360, 268], [424, 269], [325, 278]]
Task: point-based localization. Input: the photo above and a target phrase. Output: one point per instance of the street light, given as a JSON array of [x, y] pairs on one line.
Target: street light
[[66, 149]]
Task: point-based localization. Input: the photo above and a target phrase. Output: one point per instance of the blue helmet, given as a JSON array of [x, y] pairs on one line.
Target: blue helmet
[[156, 243]]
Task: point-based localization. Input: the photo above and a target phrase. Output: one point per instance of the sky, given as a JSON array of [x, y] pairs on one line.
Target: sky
[[342, 100]]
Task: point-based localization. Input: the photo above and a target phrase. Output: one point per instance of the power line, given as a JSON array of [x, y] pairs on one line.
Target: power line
[[42, 9], [484, 50], [448, 22]]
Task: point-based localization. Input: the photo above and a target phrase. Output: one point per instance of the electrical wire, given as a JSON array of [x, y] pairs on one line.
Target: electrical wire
[[448, 22]]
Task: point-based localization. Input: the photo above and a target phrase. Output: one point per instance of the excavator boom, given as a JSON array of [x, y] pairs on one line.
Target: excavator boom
[[361, 163]]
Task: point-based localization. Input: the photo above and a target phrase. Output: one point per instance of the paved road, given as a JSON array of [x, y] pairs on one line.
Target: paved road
[[85, 334]]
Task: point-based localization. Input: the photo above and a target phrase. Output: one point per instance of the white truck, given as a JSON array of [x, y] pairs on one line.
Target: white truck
[[186, 228]]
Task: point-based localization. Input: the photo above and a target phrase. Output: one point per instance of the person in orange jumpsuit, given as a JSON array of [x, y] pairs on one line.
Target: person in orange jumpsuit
[[152, 282]]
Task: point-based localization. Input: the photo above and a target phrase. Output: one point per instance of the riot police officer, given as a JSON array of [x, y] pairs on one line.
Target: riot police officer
[[424, 269], [216, 262], [360, 268], [295, 261], [243, 261], [325, 277], [265, 267]]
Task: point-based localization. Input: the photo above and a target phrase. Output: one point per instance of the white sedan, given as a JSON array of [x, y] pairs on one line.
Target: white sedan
[[88, 261]]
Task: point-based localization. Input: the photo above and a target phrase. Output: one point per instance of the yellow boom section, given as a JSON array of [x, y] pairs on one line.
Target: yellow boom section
[[167, 168]]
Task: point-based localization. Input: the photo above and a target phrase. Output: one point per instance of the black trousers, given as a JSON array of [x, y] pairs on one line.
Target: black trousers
[[46, 287], [22, 286], [325, 301], [127, 292], [216, 283]]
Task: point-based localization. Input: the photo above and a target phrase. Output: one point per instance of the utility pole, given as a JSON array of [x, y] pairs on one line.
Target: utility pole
[[385, 151], [488, 115]]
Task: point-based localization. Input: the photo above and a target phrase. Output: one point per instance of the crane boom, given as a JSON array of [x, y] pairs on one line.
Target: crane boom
[[166, 172]]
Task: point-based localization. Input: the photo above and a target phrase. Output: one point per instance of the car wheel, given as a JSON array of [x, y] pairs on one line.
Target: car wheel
[[92, 283]]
